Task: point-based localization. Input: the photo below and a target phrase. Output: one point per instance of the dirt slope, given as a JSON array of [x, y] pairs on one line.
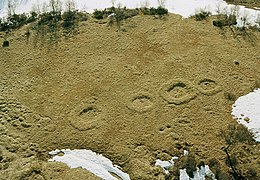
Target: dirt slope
[[151, 91]]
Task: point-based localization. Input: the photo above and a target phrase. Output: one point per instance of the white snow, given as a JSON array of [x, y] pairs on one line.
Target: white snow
[[91, 161], [200, 174], [166, 164], [247, 111], [185, 8]]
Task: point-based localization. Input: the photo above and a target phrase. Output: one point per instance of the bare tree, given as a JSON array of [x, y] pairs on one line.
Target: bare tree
[[11, 7], [36, 8], [235, 10], [161, 3], [55, 5], [70, 5], [113, 3], [145, 4], [245, 17], [44, 7]]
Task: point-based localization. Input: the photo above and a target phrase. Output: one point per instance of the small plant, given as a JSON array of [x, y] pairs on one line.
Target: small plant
[[225, 17], [230, 96], [154, 11], [98, 14], [225, 20], [186, 162], [202, 15], [11, 7], [161, 3], [161, 11], [233, 135], [69, 17], [191, 165], [215, 167]]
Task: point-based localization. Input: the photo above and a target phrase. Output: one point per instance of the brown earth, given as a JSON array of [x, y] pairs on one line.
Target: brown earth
[[157, 88], [246, 3]]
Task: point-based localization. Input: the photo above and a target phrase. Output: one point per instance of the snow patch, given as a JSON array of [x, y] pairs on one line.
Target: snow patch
[[200, 174], [91, 161], [185, 153], [247, 112], [165, 164]]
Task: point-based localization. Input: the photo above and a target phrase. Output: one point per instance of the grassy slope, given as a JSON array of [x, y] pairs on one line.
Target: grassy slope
[[107, 68], [247, 3]]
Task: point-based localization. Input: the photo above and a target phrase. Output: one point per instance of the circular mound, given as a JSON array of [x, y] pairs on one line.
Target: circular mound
[[208, 87], [85, 117], [141, 102], [178, 91]]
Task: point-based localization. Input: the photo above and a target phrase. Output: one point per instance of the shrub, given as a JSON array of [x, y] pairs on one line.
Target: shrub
[[233, 135], [215, 167], [161, 11], [69, 19], [49, 18], [186, 162], [229, 96], [202, 15], [98, 14], [237, 133], [154, 11], [128, 13], [225, 20], [33, 17], [190, 165]]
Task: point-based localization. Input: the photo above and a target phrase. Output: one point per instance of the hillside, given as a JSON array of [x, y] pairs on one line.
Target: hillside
[[151, 90]]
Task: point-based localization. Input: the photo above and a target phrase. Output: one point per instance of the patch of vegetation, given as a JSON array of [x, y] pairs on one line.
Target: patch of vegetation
[[16, 21], [122, 13], [233, 136], [125, 13], [202, 15], [160, 11], [188, 162], [47, 23], [230, 96], [215, 167], [98, 14], [225, 20]]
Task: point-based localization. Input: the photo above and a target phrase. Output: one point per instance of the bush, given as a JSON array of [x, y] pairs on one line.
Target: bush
[[202, 15], [233, 135], [15, 21], [154, 11], [49, 18], [161, 11], [98, 14], [237, 133], [186, 162], [230, 96], [69, 19], [33, 17], [225, 20], [191, 165]]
